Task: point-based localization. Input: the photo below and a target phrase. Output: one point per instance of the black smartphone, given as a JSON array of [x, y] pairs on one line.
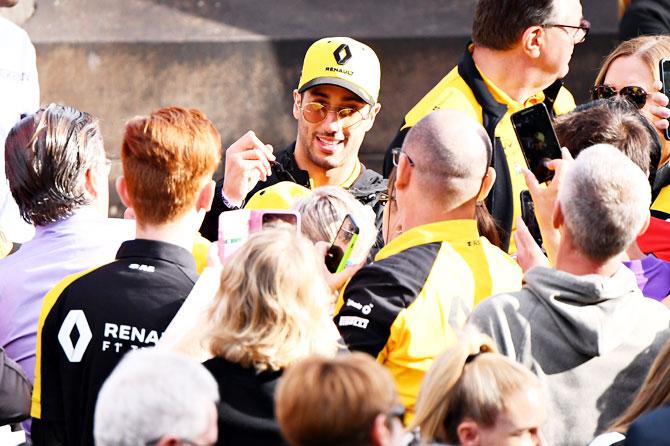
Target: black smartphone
[[537, 138], [340, 251], [664, 72], [528, 216]]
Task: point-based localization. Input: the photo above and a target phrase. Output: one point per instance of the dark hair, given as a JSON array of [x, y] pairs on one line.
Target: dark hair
[[46, 158], [610, 121], [487, 226], [498, 24]]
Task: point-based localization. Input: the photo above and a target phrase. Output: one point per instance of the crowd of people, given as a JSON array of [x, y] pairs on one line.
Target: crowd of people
[[208, 315]]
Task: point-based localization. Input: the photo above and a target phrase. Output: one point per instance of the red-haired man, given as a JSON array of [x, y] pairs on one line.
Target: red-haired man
[[89, 320]]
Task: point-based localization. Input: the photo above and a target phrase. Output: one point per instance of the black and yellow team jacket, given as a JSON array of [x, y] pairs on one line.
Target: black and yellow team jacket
[[404, 307], [90, 320], [467, 90]]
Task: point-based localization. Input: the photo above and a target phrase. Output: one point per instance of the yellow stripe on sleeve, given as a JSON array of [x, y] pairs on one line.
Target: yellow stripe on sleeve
[[49, 301]]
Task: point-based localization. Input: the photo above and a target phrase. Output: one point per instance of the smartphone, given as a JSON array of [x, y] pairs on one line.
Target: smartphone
[[235, 226], [339, 252], [664, 68], [528, 216], [537, 138]]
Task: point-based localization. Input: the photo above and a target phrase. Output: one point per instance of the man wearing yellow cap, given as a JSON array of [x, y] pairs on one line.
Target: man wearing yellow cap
[[335, 105]]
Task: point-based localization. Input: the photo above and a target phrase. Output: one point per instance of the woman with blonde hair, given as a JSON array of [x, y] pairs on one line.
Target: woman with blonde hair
[[323, 211], [474, 396], [269, 312], [631, 70]]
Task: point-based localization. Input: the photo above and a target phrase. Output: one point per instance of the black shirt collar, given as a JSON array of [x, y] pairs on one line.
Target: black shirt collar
[[157, 250]]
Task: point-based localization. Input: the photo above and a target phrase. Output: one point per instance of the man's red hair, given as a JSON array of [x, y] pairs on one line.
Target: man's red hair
[[166, 158]]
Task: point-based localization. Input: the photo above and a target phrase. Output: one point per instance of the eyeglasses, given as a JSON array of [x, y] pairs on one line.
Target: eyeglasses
[[636, 95], [315, 112], [396, 157], [384, 197], [577, 33]]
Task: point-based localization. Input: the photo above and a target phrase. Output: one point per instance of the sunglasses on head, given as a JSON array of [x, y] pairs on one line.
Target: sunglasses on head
[[636, 95]]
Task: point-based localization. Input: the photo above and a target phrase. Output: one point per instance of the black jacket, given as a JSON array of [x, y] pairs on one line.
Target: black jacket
[[107, 311], [645, 17], [366, 189], [246, 409]]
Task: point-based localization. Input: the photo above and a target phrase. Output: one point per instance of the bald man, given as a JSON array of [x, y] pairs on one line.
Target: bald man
[[403, 308]]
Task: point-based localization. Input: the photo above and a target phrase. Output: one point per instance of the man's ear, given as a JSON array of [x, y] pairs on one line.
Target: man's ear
[[403, 173], [468, 433], [92, 181], [374, 110], [168, 440], [487, 184], [206, 196], [296, 104], [533, 41], [381, 433], [122, 190], [557, 216]]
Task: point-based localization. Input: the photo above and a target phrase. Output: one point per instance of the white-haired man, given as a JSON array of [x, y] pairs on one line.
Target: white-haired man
[[160, 398], [583, 326]]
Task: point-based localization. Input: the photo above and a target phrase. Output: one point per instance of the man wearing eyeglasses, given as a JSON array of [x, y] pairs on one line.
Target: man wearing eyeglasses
[[520, 51], [405, 307], [335, 105]]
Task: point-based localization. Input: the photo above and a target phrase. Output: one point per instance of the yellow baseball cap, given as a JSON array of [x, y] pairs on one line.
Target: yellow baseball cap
[[343, 62], [280, 196]]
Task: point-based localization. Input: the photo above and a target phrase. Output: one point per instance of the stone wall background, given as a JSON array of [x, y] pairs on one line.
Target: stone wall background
[[238, 60]]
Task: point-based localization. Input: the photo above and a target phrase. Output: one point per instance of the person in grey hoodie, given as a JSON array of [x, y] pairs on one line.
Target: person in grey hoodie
[[583, 327]]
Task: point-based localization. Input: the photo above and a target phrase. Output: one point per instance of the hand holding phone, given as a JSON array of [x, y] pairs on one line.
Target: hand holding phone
[[664, 74], [528, 216], [339, 252], [537, 138]]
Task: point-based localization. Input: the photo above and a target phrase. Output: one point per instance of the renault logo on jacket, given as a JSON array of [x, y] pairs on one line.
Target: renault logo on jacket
[[75, 318]]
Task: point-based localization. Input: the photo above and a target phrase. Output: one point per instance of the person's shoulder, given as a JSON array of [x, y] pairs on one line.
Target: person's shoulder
[[393, 279], [451, 92], [499, 255], [565, 101], [650, 428], [368, 181], [501, 303], [10, 30]]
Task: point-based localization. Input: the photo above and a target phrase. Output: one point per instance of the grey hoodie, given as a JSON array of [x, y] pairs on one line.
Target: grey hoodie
[[590, 339]]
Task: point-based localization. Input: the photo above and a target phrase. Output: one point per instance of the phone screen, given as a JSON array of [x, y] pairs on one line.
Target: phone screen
[[271, 218], [537, 138], [665, 79], [340, 250], [528, 216]]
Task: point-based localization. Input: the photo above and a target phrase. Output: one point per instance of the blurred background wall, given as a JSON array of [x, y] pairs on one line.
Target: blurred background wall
[[239, 60]]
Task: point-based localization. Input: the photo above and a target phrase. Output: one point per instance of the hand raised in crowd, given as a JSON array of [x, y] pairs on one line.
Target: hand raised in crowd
[[544, 199], [528, 254], [336, 281], [247, 162], [659, 109]]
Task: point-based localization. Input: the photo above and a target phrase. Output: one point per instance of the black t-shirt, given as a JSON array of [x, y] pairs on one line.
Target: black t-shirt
[[246, 410], [90, 321]]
